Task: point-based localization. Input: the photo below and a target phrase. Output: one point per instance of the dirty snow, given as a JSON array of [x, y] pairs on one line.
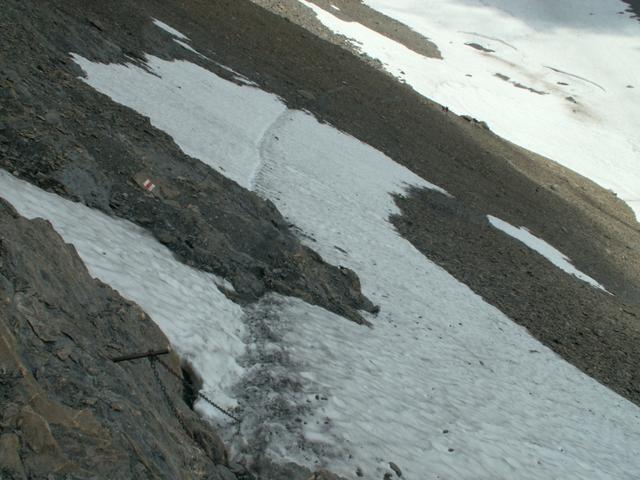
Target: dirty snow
[[202, 324], [444, 385], [582, 55], [555, 256]]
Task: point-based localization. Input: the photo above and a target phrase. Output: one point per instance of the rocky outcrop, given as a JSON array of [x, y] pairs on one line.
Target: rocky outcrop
[[66, 409]]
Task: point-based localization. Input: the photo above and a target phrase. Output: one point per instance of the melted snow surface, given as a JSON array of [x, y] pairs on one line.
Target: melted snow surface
[[581, 57], [444, 385], [555, 256], [201, 323]]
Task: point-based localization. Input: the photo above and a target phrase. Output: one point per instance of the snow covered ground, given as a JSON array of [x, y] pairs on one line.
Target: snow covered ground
[[444, 385], [552, 254], [561, 79]]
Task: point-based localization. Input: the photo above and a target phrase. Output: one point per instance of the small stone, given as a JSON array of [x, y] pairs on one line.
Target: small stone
[[306, 94], [395, 468], [52, 118], [64, 352], [359, 472], [96, 24]]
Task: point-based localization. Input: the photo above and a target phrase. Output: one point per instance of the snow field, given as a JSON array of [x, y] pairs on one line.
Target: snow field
[[581, 56], [438, 358]]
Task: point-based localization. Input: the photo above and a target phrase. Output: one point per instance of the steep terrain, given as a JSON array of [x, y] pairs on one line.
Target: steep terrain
[[83, 146], [67, 409], [70, 125]]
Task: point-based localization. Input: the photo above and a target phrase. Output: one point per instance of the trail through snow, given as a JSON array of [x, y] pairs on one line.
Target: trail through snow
[[444, 385]]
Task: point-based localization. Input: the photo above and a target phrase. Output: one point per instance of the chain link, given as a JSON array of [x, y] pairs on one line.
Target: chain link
[[187, 384], [167, 397]]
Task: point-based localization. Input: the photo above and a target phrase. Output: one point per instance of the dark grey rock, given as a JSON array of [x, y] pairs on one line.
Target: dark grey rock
[[395, 468]]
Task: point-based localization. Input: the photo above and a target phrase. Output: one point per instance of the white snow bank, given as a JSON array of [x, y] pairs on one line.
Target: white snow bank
[[186, 46], [170, 30], [582, 55], [202, 324], [439, 358], [555, 256]]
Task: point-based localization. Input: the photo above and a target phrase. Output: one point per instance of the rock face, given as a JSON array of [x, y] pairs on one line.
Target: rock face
[[65, 408]]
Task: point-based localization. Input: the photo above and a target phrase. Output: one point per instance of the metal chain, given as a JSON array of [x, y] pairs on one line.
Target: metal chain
[[192, 387], [167, 397]]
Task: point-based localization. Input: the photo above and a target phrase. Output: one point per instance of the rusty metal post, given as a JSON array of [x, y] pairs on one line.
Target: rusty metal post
[[135, 356]]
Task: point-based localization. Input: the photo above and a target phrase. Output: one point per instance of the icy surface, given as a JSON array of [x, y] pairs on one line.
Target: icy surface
[[543, 248], [202, 324], [444, 385], [582, 58]]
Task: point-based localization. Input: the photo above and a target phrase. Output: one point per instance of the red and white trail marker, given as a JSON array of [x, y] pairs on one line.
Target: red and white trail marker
[[148, 186]]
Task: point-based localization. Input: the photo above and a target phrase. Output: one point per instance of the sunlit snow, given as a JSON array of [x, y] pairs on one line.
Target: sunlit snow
[[543, 248], [582, 58], [444, 384]]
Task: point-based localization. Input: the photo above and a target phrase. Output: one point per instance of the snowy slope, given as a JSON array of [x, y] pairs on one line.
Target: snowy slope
[[561, 79], [444, 384], [202, 324]]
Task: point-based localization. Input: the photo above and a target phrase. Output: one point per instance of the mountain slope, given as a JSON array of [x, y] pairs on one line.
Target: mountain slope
[[443, 383]]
